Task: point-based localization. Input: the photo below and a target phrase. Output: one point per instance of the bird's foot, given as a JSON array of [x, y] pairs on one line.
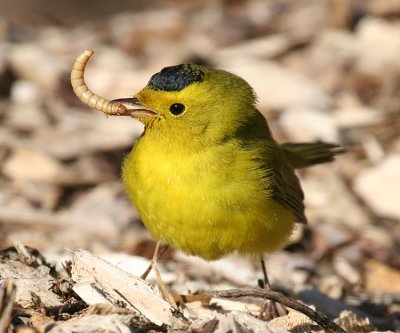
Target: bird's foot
[[271, 309], [161, 285], [163, 288]]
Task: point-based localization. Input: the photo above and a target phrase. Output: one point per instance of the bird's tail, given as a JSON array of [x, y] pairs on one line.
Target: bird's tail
[[301, 155]]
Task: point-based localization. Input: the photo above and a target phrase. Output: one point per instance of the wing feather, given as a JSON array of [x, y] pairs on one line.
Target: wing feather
[[286, 188]]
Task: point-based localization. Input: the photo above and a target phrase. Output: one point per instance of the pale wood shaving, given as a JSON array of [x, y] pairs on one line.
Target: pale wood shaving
[[95, 276]]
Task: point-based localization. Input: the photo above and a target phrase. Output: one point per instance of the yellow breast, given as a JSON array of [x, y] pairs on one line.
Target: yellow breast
[[208, 203]]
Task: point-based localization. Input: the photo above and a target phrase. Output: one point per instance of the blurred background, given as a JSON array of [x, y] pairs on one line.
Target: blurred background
[[322, 69]]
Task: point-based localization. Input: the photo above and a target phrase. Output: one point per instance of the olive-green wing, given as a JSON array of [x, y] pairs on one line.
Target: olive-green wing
[[286, 187]]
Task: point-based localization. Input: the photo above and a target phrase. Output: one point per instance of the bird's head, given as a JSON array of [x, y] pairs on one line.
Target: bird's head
[[182, 102], [194, 100]]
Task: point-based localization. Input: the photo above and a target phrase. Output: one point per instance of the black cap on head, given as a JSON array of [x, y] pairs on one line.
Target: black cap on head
[[175, 78]]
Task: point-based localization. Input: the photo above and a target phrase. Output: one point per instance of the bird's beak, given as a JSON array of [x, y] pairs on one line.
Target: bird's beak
[[138, 110]]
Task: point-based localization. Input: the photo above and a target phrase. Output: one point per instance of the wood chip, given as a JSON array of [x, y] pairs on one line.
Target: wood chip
[[7, 299], [95, 276]]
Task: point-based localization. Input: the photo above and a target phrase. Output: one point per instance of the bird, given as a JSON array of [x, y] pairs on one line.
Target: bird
[[207, 176]]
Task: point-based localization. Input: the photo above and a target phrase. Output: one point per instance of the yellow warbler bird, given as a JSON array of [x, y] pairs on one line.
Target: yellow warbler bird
[[207, 176]]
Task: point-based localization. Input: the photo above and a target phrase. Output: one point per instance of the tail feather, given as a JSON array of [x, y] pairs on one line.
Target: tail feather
[[301, 155]]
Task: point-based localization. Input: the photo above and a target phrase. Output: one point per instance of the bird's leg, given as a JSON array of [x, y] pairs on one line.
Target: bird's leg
[[270, 307], [156, 256], [264, 270], [153, 266]]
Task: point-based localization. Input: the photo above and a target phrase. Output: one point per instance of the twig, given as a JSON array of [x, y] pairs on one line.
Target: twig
[[8, 293], [318, 317]]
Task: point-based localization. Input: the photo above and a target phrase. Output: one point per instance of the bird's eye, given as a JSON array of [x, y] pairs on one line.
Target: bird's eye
[[177, 109]]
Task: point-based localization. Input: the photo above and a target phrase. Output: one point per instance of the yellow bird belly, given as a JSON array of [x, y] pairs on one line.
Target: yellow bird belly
[[208, 204]]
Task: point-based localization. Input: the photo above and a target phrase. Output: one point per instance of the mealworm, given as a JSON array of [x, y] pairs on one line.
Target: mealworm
[[85, 94]]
